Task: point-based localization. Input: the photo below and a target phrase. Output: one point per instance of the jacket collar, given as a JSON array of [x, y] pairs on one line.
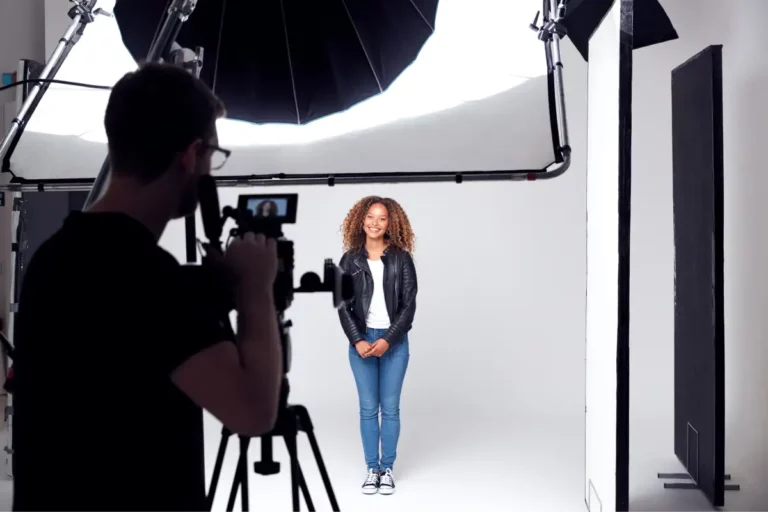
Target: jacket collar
[[361, 256]]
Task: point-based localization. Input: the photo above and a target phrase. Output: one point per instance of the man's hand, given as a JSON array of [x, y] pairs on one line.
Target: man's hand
[[253, 260], [378, 348], [362, 348]]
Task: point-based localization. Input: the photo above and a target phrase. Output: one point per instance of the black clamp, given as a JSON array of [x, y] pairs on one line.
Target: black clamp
[[548, 28]]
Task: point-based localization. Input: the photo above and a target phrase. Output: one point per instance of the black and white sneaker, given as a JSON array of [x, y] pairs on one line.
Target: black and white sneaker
[[387, 483], [371, 485]]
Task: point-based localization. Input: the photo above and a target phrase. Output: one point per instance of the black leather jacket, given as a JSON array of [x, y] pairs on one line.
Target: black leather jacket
[[400, 287]]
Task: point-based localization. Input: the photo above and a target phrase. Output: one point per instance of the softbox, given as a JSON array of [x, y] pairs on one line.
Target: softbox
[[479, 98]]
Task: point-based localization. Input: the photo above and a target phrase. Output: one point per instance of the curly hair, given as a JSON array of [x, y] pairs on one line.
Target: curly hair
[[400, 232]]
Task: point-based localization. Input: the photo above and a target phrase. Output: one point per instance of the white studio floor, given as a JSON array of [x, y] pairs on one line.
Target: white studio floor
[[488, 462], [447, 461]]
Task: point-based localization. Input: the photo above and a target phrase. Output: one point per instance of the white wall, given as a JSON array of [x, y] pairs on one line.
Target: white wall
[[500, 269], [736, 24], [21, 35]]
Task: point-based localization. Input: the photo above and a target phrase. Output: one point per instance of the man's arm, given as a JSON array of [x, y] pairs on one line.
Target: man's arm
[[240, 383]]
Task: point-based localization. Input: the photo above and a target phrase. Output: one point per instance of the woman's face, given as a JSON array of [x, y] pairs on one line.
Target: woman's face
[[376, 222], [267, 208]]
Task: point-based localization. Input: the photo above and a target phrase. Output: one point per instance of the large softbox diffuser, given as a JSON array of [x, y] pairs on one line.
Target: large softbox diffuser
[[477, 98]]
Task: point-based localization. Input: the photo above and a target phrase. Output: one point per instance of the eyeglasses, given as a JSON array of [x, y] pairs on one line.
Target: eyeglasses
[[219, 156]]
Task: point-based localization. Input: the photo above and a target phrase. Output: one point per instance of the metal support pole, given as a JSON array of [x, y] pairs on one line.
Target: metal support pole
[[14, 199], [555, 32]]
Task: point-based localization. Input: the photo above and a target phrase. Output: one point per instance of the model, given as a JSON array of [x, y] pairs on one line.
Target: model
[[379, 241]]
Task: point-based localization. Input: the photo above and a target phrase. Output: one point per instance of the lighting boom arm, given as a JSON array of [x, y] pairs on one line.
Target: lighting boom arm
[[552, 32]]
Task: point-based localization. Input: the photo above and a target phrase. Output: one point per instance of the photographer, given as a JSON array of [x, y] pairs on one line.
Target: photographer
[[117, 353]]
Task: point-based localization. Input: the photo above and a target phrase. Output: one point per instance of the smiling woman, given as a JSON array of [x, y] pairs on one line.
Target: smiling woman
[[379, 242]]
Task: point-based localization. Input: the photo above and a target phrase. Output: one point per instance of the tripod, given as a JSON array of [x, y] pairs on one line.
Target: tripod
[[291, 420]]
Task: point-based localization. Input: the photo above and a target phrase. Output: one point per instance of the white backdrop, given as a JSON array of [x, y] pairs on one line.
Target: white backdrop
[[494, 390]]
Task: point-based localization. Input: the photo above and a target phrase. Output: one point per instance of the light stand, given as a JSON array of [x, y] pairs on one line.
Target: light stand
[[82, 14], [161, 49]]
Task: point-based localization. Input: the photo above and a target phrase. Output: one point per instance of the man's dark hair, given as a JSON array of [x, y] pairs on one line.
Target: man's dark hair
[[153, 114]]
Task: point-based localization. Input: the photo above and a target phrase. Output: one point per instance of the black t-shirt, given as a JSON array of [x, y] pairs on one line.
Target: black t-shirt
[[105, 316]]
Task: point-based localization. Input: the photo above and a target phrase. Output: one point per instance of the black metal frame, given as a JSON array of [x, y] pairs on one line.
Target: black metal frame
[[551, 32], [626, 45]]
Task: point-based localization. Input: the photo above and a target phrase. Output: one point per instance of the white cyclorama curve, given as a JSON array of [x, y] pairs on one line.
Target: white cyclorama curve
[[602, 263], [476, 98]]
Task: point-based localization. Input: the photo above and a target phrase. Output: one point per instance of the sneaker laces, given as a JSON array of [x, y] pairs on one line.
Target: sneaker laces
[[373, 478], [387, 478]]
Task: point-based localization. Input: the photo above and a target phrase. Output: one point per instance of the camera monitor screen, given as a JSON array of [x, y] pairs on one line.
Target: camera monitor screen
[[280, 207]]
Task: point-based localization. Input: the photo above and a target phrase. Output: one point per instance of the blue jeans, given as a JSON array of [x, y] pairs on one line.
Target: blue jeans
[[379, 383]]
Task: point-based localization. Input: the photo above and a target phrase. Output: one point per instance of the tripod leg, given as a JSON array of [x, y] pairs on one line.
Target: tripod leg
[[305, 491], [217, 467], [233, 491], [241, 478], [305, 425], [242, 467], [290, 444]]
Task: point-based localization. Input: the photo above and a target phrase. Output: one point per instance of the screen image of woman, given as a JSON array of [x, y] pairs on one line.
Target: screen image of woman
[[267, 208], [378, 244]]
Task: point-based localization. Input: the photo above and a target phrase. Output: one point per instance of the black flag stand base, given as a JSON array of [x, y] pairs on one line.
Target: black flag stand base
[[292, 420], [689, 483], [687, 480]]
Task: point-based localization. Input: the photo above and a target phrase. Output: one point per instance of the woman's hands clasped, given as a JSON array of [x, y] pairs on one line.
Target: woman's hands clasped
[[375, 349]]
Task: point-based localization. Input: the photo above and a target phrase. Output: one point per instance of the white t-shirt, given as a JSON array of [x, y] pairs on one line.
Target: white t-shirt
[[378, 318]]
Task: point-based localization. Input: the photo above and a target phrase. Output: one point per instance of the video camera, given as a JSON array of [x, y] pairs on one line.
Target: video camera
[[266, 214]]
